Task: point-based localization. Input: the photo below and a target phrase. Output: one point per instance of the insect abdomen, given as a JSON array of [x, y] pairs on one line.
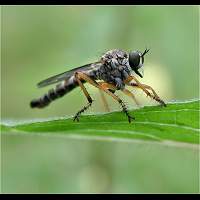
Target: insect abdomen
[[52, 94]]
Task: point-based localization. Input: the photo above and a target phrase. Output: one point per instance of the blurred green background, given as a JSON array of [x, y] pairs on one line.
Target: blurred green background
[[41, 41]]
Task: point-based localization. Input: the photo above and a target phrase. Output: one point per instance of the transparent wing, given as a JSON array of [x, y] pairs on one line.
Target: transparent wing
[[65, 75]]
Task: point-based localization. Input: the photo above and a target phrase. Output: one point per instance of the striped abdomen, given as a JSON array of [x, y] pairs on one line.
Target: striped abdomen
[[59, 91]]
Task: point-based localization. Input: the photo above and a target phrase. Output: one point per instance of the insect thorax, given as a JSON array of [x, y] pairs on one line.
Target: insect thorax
[[115, 67]]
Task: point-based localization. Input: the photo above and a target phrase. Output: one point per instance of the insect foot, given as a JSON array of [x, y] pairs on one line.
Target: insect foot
[[125, 110], [130, 118], [162, 103], [78, 114]]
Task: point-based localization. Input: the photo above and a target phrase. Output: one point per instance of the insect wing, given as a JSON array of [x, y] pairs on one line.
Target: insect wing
[[65, 75]]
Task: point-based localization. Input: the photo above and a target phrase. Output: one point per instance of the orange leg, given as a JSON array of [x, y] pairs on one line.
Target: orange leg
[[128, 82], [125, 91], [105, 103], [106, 86], [144, 88], [154, 95], [130, 94], [87, 96], [80, 75]]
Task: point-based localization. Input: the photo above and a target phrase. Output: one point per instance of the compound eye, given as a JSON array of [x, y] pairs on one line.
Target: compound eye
[[134, 59], [142, 59], [141, 62]]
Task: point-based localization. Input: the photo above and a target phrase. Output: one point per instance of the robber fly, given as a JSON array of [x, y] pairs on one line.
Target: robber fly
[[112, 72]]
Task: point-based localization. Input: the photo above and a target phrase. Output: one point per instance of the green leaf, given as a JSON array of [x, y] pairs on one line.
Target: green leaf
[[178, 122]]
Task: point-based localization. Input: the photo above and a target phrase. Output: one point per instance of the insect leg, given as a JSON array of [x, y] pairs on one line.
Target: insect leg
[[128, 82], [154, 96], [112, 87], [94, 83], [105, 103], [125, 91], [130, 94], [144, 88], [76, 117]]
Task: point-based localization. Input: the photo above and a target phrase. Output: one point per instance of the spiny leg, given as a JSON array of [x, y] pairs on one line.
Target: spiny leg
[[76, 117], [130, 94], [154, 96], [105, 103], [130, 78], [94, 83], [112, 87], [125, 91], [144, 87], [106, 86]]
